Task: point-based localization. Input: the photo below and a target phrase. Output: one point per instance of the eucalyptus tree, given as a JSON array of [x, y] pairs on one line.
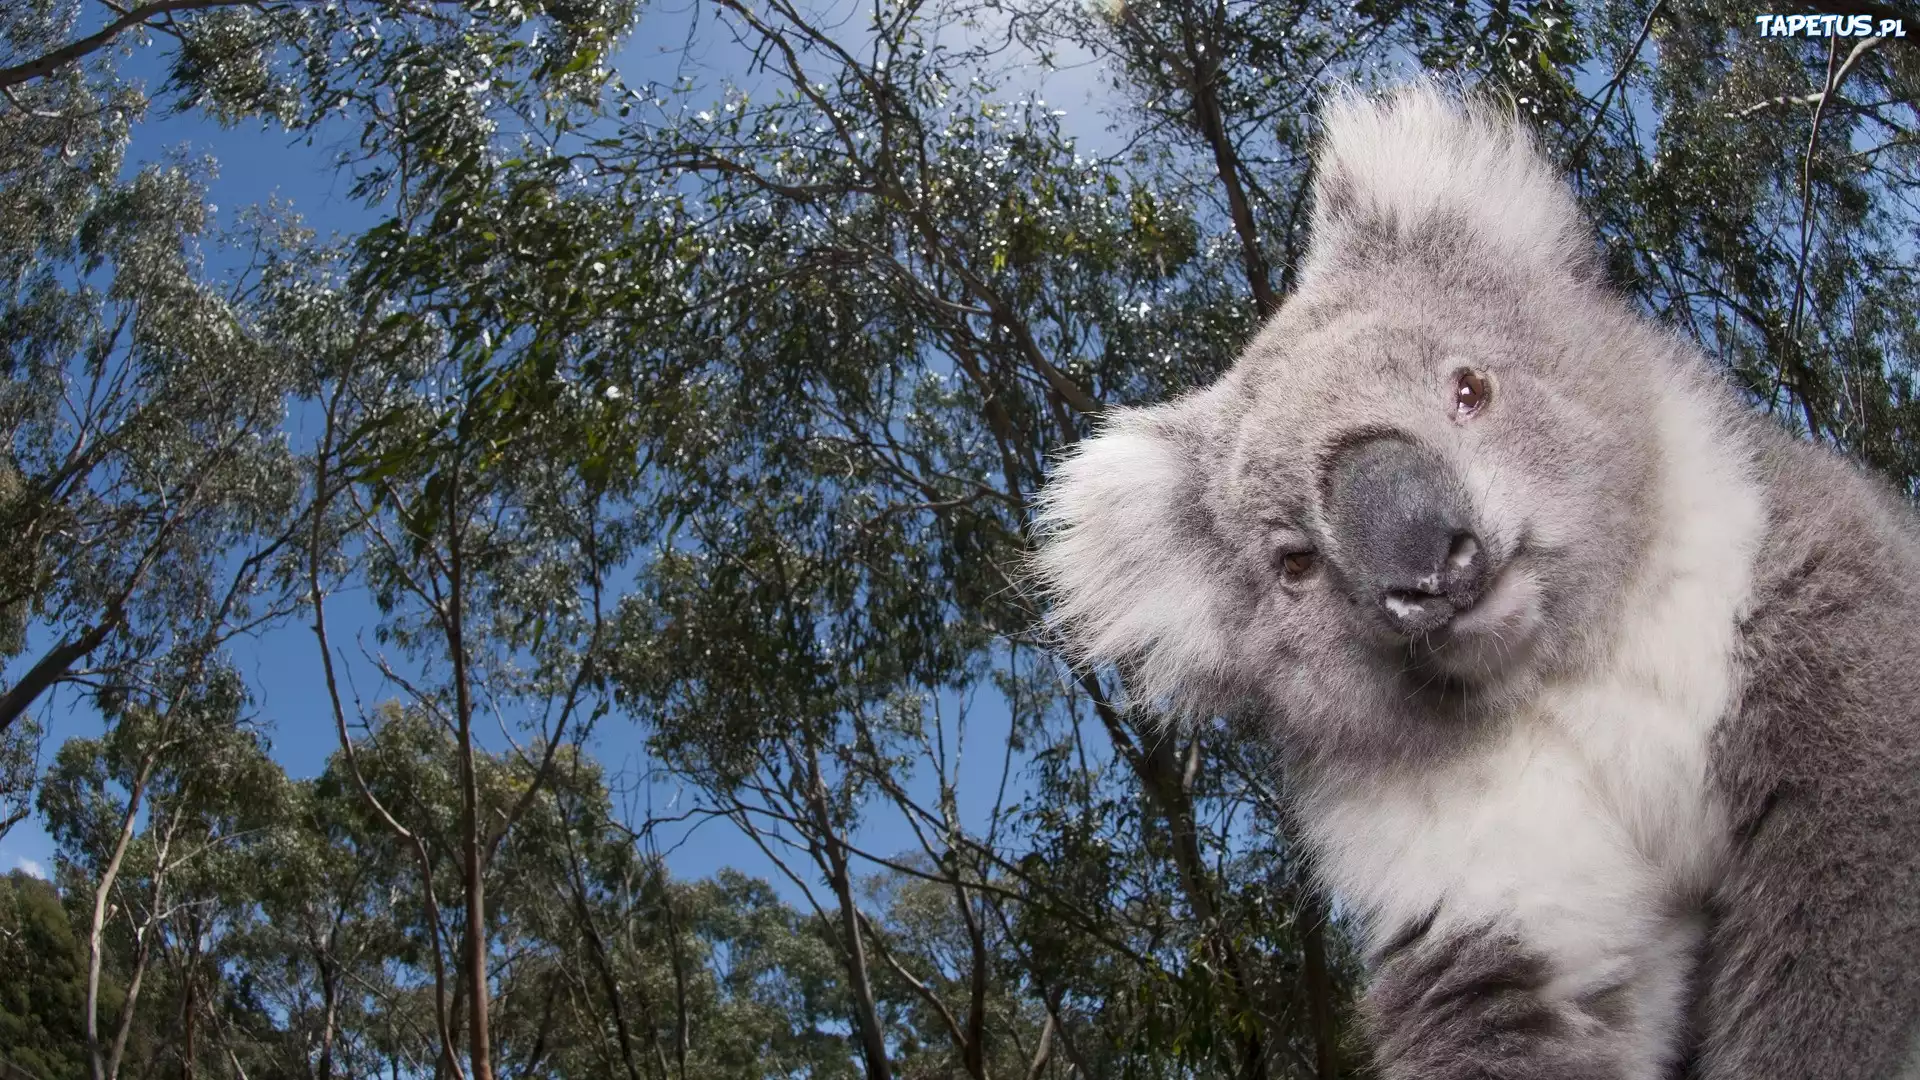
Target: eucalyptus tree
[[147, 486], [474, 475], [19, 764], [780, 993], [156, 503], [154, 822], [320, 960], [146, 483], [597, 961], [1760, 195]]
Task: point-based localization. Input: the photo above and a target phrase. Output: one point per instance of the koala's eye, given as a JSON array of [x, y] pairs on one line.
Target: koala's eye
[[1471, 392], [1297, 564]]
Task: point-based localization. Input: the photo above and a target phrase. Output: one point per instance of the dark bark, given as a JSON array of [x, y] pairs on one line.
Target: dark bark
[[1210, 119], [1169, 786], [53, 667], [1312, 913], [603, 968], [188, 1042]]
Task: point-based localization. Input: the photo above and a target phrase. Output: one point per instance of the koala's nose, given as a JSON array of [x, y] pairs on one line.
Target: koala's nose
[[1404, 528]]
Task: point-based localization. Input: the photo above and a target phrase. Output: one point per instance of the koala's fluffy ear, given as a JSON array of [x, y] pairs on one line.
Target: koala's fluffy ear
[[1418, 168], [1131, 557]]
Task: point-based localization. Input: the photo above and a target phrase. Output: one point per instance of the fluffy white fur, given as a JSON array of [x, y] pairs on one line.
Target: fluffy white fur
[[1101, 518], [1425, 156]]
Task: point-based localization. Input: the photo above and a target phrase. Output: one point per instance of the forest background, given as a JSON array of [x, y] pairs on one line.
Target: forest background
[[531, 583]]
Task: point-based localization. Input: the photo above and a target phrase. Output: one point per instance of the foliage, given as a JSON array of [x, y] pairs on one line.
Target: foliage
[[40, 1004]]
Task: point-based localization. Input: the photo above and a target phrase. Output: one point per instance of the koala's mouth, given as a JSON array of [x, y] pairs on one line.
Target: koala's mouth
[[1492, 634]]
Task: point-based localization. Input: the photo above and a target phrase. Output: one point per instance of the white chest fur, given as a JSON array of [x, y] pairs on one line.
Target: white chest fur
[[1579, 826]]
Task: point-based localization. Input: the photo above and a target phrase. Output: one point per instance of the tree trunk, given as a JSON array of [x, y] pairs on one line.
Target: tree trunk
[[96, 937], [1169, 786], [330, 1005], [1312, 911], [187, 1048], [473, 845], [873, 1043]]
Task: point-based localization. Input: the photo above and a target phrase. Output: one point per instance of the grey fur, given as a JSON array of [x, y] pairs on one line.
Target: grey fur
[[1813, 960], [1795, 932]]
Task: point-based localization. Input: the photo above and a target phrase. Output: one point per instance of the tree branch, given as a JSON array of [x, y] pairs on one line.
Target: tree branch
[[92, 43]]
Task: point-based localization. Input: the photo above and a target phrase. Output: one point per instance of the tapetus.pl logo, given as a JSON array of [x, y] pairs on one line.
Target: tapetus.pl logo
[[1816, 26]]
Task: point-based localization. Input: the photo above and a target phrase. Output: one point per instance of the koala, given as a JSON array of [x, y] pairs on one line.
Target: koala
[[1597, 693]]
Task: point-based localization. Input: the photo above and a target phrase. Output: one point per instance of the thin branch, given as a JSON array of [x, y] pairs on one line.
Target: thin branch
[[1792, 344], [1619, 79]]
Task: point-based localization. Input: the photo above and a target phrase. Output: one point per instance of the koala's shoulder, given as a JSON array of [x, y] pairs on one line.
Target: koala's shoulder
[[1830, 636], [1835, 532]]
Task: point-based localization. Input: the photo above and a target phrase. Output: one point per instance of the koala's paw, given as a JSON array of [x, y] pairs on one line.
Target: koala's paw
[[1472, 1005]]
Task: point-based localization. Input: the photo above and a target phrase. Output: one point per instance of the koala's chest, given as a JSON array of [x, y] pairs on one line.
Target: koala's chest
[[1593, 804]]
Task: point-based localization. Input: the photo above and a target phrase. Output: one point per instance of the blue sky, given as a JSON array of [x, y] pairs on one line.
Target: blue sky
[[255, 162]]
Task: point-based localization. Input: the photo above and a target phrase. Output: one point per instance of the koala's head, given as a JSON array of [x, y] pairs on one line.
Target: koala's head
[[1425, 486]]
